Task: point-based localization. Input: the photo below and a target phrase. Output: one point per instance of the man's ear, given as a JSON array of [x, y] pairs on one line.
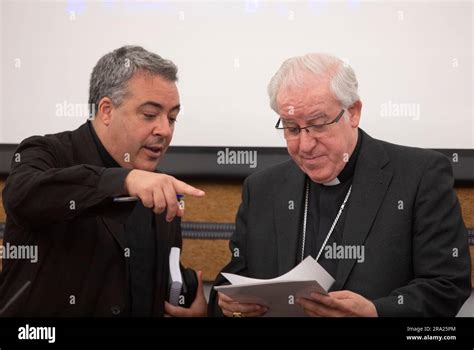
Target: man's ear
[[355, 111], [105, 110]]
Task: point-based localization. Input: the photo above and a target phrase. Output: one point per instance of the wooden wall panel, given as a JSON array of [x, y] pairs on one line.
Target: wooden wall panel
[[466, 199], [208, 256], [219, 205]]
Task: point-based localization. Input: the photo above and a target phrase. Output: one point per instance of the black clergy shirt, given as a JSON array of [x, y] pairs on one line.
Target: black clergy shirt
[[139, 233], [323, 205]]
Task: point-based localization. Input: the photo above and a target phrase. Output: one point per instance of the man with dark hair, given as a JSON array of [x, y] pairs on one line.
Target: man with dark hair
[[97, 256]]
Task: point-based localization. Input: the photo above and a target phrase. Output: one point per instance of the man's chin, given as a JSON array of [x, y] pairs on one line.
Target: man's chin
[[318, 175], [146, 165]]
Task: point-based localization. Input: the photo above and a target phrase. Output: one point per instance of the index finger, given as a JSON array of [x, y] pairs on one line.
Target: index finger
[[183, 188]]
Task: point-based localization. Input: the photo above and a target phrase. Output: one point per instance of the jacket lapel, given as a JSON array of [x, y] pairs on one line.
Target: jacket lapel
[[371, 181], [115, 227], [288, 208]]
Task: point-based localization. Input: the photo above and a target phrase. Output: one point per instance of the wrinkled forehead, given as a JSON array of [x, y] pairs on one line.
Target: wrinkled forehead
[[300, 99]]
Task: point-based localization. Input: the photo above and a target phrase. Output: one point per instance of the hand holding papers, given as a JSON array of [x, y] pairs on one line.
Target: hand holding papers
[[279, 294]]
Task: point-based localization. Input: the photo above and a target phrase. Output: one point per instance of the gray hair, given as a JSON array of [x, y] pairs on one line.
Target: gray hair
[[113, 70], [343, 81]]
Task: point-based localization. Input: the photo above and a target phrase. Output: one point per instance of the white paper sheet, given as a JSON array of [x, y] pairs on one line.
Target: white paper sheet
[[279, 294]]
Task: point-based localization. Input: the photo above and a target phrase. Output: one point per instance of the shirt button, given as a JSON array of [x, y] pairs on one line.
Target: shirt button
[[115, 310]]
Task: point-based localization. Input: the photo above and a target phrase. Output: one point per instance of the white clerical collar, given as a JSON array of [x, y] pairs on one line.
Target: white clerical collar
[[333, 182]]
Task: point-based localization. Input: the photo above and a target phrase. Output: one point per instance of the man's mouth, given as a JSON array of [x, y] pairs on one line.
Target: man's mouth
[[153, 151], [309, 159]]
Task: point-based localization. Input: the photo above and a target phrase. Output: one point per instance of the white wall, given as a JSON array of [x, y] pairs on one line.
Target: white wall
[[406, 54]]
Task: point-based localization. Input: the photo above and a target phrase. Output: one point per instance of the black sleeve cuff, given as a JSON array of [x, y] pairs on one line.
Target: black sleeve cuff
[[112, 181]]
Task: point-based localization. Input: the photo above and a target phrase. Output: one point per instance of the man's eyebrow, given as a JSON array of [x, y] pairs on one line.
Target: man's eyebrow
[[151, 103], [310, 118], [158, 105]]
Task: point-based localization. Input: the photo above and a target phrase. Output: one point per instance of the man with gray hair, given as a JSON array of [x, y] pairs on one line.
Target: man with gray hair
[[393, 206], [100, 255]]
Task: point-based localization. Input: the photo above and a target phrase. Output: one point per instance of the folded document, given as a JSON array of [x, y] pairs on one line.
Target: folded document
[[279, 294]]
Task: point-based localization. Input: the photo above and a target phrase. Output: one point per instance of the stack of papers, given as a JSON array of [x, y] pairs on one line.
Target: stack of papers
[[279, 294]]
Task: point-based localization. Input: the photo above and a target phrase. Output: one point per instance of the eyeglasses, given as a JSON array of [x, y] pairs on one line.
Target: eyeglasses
[[293, 131]]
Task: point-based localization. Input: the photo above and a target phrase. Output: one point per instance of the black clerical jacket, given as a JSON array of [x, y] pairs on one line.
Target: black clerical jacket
[[402, 209], [58, 197]]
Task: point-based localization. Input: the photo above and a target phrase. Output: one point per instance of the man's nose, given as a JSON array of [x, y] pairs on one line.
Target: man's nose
[[162, 126], [307, 142]]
